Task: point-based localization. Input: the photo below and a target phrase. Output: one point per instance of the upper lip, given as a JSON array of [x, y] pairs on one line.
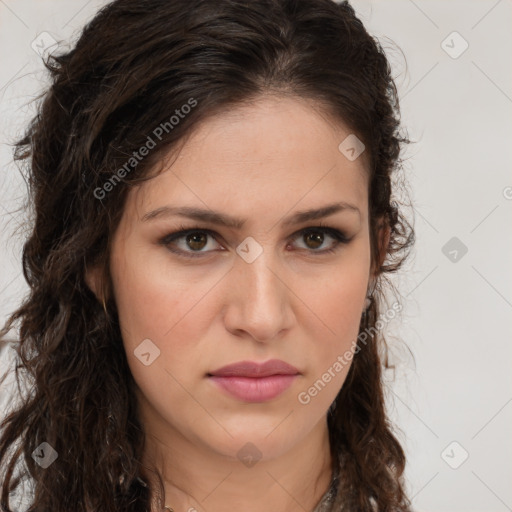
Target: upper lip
[[254, 369]]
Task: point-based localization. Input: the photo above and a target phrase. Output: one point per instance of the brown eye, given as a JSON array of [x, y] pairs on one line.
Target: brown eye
[[315, 237], [196, 240], [193, 243]]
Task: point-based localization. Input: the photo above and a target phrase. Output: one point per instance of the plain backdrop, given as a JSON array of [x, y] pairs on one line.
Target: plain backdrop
[[452, 402]]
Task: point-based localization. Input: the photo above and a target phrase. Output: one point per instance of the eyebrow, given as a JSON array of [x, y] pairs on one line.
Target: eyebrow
[[237, 223]]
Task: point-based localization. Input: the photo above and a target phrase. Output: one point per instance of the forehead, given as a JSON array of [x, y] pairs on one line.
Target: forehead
[[273, 153]]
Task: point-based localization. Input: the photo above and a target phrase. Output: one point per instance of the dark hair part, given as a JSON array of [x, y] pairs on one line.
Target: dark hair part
[[136, 64]]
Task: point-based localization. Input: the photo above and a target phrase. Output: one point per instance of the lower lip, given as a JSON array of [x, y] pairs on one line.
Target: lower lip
[[255, 389]]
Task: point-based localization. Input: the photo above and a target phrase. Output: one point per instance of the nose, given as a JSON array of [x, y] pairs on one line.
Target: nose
[[258, 300]]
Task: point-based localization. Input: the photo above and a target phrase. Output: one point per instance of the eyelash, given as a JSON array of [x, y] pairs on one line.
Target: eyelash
[[339, 236]]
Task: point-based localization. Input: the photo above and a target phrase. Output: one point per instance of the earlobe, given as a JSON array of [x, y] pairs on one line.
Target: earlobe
[[93, 279], [384, 237]]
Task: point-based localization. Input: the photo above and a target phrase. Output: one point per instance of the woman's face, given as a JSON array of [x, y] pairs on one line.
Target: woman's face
[[259, 291]]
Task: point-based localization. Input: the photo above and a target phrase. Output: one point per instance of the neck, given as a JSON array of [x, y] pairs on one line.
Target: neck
[[197, 478]]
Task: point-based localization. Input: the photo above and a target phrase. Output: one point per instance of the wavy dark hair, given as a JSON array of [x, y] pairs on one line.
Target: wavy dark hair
[[134, 65]]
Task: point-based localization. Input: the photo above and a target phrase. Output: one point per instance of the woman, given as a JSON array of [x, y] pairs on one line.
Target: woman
[[211, 184]]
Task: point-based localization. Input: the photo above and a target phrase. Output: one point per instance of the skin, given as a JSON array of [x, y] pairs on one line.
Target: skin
[[261, 162]]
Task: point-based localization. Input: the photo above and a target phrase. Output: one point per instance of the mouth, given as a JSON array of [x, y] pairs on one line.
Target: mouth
[[254, 389], [251, 381]]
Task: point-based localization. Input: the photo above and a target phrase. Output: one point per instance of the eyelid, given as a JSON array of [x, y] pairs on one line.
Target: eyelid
[[337, 234]]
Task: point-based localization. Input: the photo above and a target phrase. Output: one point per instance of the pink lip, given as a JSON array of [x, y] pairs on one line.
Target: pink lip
[[255, 389], [254, 369], [255, 382]]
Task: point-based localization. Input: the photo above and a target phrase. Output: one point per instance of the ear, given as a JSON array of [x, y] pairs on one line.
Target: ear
[[383, 237], [93, 280]]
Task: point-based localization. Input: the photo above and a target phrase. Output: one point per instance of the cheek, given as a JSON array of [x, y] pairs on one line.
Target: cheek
[[153, 300], [163, 309], [337, 298], [336, 302], [168, 306]]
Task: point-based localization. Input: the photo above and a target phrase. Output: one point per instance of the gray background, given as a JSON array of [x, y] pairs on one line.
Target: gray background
[[453, 400]]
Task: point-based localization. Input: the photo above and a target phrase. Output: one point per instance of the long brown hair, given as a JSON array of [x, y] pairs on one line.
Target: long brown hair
[[135, 67]]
